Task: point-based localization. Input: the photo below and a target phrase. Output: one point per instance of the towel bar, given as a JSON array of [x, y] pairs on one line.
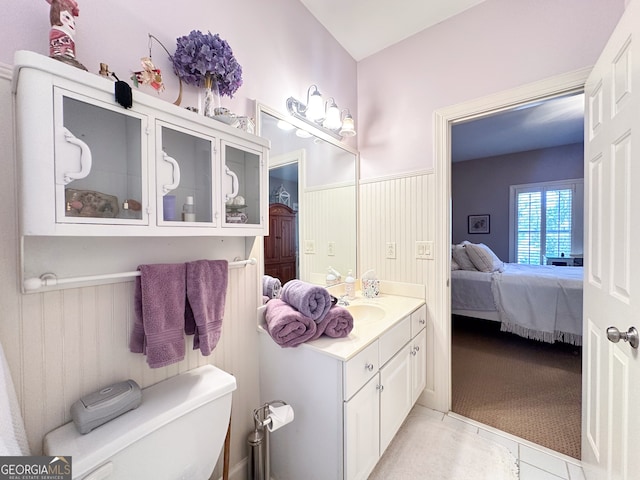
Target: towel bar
[[51, 280]]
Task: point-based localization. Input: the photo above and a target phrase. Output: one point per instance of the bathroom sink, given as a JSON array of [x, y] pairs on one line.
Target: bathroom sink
[[369, 313]]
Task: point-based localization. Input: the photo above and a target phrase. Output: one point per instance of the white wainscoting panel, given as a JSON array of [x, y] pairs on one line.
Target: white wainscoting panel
[[402, 210], [75, 341]]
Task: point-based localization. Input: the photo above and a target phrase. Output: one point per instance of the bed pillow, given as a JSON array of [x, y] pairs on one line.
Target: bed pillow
[[454, 265], [483, 258], [461, 257]]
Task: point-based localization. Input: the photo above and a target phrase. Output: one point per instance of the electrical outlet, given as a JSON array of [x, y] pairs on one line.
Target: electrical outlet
[[309, 246], [391, 249], [424, 250], [331, 249]]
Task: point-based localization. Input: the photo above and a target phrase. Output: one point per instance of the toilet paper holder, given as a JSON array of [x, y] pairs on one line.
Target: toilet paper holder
[[259, 464]]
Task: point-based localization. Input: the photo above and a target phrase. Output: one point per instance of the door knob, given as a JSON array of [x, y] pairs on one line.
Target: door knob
[[631, 336]]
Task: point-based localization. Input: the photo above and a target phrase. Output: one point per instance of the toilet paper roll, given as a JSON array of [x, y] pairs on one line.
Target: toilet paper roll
[[280, 416]]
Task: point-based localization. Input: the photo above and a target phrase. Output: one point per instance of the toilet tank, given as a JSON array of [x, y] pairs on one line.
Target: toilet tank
[[176, 433]]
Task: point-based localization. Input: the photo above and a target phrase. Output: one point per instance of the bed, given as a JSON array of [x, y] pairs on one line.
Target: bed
[[541, 302]]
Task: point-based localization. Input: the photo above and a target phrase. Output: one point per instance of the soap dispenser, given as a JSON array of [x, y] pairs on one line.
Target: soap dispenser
[[350, 286]]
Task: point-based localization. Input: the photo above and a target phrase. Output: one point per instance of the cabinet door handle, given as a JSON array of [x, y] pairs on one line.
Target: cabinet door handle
[[369, 366], [235, 185], [166, 188], [380, 388], [85, 158], [414, 351], [423, 321]]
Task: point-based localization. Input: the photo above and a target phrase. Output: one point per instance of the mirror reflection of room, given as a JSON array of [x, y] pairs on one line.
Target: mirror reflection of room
[[312, 202]]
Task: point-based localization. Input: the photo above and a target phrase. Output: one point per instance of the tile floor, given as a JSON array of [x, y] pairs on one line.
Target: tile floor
[[536, 462]]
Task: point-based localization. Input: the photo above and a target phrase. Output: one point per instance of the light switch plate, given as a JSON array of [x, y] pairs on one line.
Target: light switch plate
[[424, 250], [331, 249]]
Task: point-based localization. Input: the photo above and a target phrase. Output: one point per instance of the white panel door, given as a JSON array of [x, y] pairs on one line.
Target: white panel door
[[362, 431], [395, 395], [418, 365], [611, 392]]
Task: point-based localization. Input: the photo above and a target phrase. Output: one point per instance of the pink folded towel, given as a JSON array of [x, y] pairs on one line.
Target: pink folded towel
[[337, 323], [287, 326], [159, 302], [206, 294]]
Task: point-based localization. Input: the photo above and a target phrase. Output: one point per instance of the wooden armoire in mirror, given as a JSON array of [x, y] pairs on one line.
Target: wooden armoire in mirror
[[280, 245]]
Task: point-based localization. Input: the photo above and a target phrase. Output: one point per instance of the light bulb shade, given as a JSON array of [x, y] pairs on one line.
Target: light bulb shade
[[348, 126], [315, 108], [303, 133], [332, 120]]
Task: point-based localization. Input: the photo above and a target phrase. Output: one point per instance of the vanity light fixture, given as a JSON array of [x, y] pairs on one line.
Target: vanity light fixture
[[315, 105], [323, 115], [348, 127], [332, 120]]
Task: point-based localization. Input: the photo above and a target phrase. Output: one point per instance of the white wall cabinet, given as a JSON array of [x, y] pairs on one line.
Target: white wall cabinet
[[91, 167], [348, 410]]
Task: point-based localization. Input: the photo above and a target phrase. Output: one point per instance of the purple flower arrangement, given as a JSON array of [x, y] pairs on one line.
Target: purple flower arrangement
[[201, 58]]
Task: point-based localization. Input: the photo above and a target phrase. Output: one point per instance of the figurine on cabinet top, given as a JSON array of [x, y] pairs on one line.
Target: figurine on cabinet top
[[63, 29]]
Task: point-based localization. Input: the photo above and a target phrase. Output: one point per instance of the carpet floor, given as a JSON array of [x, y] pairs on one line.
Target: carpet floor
[[426, 448], [527, 388]]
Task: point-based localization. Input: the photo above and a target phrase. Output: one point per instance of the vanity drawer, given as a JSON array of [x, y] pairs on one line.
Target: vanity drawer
[[393, 340], [360, 369], [418, 320]]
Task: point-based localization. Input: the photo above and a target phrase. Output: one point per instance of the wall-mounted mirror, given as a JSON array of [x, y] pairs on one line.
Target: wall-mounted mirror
[[312, 200]]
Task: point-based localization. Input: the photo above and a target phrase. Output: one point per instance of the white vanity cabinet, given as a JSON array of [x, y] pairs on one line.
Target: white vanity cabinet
[[346, 411], [90, 167]]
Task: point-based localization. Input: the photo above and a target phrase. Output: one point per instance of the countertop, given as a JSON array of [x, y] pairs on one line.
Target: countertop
[[396, 307]]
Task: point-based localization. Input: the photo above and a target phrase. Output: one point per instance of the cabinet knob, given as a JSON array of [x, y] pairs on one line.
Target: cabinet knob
[[380, 388], [369, 366], [414, 352], [423, 321]]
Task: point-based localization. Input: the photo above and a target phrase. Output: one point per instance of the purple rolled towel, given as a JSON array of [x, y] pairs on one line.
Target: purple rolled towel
[[338, 323], [312, 301], [287, 326]]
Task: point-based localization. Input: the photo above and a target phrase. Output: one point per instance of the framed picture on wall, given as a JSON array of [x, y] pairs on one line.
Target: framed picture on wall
[[478, 224]]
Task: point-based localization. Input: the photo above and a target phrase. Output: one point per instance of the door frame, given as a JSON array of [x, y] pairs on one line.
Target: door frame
[[572, 82]]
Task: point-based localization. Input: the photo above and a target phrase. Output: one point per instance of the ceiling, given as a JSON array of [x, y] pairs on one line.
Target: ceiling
[[551, 123], [364, 27]]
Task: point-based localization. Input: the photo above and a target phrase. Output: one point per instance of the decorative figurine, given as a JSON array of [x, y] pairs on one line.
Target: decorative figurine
[[63, 29], [149, 75]]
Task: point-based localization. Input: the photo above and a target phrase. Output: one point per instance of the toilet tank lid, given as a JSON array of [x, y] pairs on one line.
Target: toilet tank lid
[[161, 404]]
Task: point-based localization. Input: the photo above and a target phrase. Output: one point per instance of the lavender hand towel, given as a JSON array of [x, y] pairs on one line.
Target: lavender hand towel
[[287, 326], [159, 303], [207, 293], [337, 323], [312, 301]]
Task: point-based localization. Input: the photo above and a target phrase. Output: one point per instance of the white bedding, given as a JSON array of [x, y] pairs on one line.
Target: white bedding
[[543, 302]]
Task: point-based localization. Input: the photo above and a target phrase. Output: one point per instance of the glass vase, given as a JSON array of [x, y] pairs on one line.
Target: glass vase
[[210, 98]]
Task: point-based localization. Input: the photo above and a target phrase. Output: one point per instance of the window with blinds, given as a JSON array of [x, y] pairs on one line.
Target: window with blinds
[[544, 221]]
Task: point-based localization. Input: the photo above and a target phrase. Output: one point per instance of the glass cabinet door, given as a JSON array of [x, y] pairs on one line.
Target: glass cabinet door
[[99, 167], [184, 177], [242, 185]]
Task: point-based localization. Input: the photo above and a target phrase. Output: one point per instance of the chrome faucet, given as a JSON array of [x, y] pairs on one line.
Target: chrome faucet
[[342, 301]]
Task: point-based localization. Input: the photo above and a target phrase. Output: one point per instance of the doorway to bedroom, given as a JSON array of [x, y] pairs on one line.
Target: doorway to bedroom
[[526, 380]]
